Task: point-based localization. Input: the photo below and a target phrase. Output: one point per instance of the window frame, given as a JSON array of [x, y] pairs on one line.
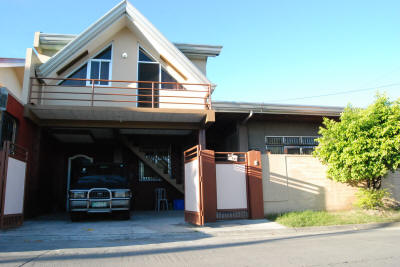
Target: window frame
[[161, 67], [284, 145], [93, 59], [88, 67]]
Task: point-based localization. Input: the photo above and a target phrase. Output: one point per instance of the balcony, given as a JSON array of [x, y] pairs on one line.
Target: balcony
[[123, 101]]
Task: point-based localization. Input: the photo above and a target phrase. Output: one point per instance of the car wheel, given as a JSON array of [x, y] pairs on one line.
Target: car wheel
[[125, 215], [75, 216]]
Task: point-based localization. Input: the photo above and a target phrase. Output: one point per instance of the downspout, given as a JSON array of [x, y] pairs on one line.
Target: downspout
[[248, 117]]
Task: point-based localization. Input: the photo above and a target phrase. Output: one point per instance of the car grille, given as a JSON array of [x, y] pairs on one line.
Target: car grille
[[99, 194]]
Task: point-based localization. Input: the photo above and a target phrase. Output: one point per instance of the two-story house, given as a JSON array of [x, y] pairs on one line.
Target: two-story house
[[117, 92]]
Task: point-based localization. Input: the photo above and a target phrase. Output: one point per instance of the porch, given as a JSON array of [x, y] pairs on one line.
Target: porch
[[112, 103]]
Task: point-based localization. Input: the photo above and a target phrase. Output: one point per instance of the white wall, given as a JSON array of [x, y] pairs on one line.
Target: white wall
[[192, 186], [231, 186], [11, 78], [15, 186]]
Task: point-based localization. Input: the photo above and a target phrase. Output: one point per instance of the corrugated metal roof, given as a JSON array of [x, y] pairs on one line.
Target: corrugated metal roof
[[246, 107]]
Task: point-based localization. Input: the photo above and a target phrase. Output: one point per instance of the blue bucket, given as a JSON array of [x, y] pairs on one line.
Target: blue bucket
[[179, 204]]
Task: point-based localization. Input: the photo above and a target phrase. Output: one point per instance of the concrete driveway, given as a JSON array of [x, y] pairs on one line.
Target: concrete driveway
[[141, 225]]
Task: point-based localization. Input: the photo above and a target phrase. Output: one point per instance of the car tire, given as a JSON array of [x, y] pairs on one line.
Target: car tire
[[125, 215], [75, 216]]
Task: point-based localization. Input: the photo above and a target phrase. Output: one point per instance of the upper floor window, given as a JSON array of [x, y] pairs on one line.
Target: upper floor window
[[98, 67], [160, 74]]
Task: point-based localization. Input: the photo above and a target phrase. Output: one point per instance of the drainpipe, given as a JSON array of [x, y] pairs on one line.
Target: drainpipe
[[248, 117]]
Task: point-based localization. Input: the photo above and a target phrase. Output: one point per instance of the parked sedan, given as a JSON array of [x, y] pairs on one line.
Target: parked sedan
[[100, 194]]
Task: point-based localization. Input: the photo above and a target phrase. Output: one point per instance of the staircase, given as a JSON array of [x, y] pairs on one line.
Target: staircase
[[151, 164]]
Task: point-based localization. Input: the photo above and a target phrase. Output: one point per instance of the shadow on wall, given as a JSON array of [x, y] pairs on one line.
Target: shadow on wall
[[298, 182]]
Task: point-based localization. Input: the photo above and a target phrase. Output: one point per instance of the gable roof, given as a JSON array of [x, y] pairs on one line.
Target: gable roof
[[56, 41], [155, 37]]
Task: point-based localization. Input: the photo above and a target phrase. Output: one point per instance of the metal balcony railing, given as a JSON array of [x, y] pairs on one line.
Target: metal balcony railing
[[97, 92]]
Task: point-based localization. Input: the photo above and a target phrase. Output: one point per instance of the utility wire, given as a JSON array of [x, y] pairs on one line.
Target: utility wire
[[342, 92]]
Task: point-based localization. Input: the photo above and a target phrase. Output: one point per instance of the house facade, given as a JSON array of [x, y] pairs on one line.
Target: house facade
[[120, 92]]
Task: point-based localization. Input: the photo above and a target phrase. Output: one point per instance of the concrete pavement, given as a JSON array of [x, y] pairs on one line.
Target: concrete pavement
[[249, 245]]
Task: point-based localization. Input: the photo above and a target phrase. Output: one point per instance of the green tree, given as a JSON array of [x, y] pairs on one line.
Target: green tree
[[363, 145]]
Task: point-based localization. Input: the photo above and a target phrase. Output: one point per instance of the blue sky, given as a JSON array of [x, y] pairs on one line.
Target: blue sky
[[274, 51]]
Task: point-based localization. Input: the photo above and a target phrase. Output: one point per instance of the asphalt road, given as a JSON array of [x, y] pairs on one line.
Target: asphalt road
[[334, 247]]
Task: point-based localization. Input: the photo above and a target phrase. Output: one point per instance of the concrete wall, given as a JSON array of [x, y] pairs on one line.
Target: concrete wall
[[257, 130], [200, 63], [392, 184], [12, 78], [298, 182]]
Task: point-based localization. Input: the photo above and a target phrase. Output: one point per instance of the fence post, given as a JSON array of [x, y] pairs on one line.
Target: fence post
[[92, 92], [209, 185], [152, 94], [255, 186]]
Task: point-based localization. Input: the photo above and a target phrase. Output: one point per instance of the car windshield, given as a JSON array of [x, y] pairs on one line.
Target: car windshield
[[100, 181]]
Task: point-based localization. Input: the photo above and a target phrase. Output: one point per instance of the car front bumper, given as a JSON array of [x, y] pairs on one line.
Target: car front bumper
[[99, 205]]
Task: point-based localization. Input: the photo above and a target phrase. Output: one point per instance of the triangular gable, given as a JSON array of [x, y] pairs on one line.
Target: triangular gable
[[160, 43]]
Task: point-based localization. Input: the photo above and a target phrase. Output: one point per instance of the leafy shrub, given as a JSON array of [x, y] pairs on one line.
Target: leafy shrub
[[371, 198]]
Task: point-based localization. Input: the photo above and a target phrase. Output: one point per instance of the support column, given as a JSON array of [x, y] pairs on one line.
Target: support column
[[242, 137], [255, 186], [209, 185], [202, 138]]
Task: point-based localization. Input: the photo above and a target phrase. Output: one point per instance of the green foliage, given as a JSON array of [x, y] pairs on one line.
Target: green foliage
[[371, 198], [364, 145]]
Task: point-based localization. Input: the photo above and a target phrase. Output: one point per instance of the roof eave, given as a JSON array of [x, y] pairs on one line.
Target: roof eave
[[246, 107]]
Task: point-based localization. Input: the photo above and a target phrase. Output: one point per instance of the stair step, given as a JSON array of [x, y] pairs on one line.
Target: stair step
[[152, 165]]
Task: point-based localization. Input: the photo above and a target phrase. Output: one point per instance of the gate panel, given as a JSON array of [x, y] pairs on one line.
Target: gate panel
[[193, 187], [13, 175], [231, 176]]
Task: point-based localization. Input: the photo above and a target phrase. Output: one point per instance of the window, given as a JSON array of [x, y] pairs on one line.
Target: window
[[149, 70], [8, 128], [79, 74], [146, 174], [98, 67], [161, 74], [298, 145], [166, 77], [161, 157]]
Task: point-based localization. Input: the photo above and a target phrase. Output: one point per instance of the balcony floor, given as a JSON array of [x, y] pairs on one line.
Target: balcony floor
[[120, 117]]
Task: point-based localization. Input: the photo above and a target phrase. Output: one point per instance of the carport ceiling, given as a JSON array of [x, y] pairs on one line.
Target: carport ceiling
[[82, 135], [154, 132], [78, 137]]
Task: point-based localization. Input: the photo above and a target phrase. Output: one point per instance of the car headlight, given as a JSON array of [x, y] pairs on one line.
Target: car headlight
[[122, 194], [77, 195]]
